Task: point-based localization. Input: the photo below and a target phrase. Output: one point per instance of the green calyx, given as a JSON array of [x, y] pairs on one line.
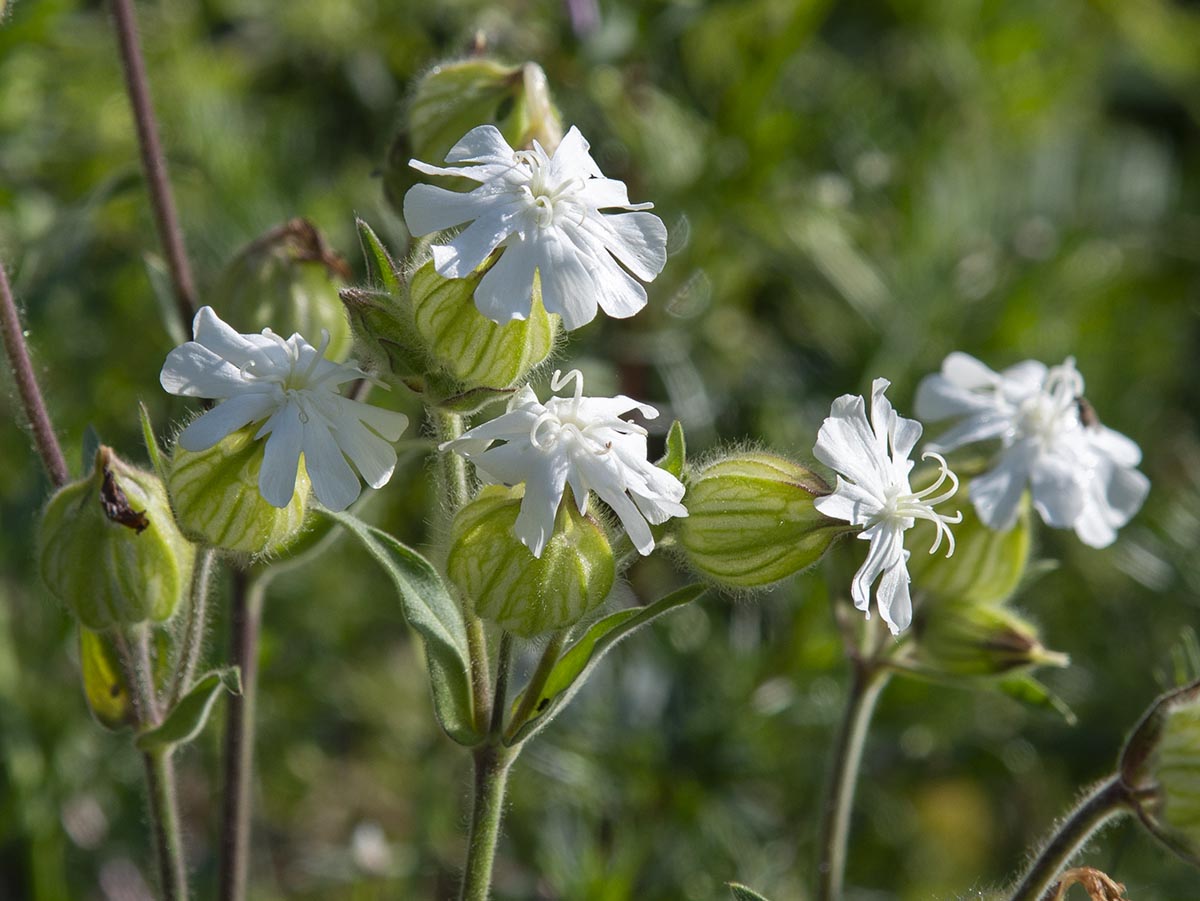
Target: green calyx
[[986, 567], [109, 547], [217, 502], [751, 520], [507, 585], [288, 280]]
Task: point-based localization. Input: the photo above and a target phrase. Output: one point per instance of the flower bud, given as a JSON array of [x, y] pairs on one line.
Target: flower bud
[[454, 97], [963, 638], [507, 585], [109, 547], [473, 351], [217, 502], [1161, 766], [288, 281], [986, 566], [751, 520]]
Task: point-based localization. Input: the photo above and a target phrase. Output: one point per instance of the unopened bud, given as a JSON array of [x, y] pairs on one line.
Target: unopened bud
[[454, 97], [507, 585], [217, 502], [469, 348], [964, 638], [109, 547], [987, 566], [288, 281], [1161, 767], [751, 520]]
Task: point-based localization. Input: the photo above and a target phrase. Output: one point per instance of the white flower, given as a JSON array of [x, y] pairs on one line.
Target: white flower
[[873, 491], [545, 212], [1081, 474], [577, 441], [291, 388]]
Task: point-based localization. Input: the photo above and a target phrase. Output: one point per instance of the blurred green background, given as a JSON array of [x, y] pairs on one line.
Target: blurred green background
[[852, 189]]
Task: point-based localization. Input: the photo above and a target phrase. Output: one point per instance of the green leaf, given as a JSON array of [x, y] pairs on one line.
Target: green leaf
[[104, 684], [91, 444], [156, 455], [436, 617], [380, 265], [473, 401], [741, 893], [676, 456], [577, 663], [185, 720], [1028, 690]]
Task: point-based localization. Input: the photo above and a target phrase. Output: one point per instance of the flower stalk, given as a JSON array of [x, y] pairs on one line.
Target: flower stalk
[[866, 684], [1106, 801], [193, 634], [246, 606], [27, 386], [154, 163]]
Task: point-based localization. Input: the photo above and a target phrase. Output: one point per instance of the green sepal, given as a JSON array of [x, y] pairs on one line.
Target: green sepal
[[186, 719], [153, 450], [576, 664], [675, 457], [742, 893], [435, 616], [468, 402], [381, 268], [104, 685]]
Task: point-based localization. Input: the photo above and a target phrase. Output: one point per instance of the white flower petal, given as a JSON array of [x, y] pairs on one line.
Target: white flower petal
[[572, 158], [1057, 485], [885, 550], [428, 209], [334, 482], [506, 292], [637, 240], [539, 507], [225, 418], [209, 331], [469, 248], [846, 443], [850, 502], [281, 457], [482, 144], [192, 370], [893, 597], [997, 494]]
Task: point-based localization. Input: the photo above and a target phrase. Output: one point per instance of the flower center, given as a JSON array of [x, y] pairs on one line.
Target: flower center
[[565, 423], [1053, 410], [901, 506], [546, 200]]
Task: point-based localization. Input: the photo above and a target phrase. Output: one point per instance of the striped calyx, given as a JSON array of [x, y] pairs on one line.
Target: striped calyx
[[751, 520], [1161, 767], [507, 585], [217, 502], [987, 565], [110, 550], [469, 348]]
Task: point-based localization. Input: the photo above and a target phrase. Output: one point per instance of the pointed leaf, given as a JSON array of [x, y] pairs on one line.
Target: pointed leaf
[[1028, 690], [185, 720], [577, 662], [476, 399], [433, 613], [381, 267], [164, 295], [104, 684], [152, 448], [91, 444], [676, 456], [742, 893]]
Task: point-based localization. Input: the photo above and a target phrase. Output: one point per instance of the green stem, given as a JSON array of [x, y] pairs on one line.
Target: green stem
[[245, 621], [537, 682], [492, 763], [193, 633], [1105, 801], [456, 489], [164, 818], [865, 686], [503, 666]]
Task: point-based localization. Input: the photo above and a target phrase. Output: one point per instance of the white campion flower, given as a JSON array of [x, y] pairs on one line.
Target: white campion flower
[[291, 389], [577, 441], [1081, 474], [545, 212], [873, 491]]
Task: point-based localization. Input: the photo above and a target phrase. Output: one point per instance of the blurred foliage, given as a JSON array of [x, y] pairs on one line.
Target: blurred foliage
[[852, 190]]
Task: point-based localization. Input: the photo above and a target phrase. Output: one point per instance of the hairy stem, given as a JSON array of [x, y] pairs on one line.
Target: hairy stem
[[27, 386], [154, 163], [492, 763], [537, 681], [500, 699], [164, 819], [456, 490], [865, 687], [1101, 804], [193, 633], [245, 621]]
